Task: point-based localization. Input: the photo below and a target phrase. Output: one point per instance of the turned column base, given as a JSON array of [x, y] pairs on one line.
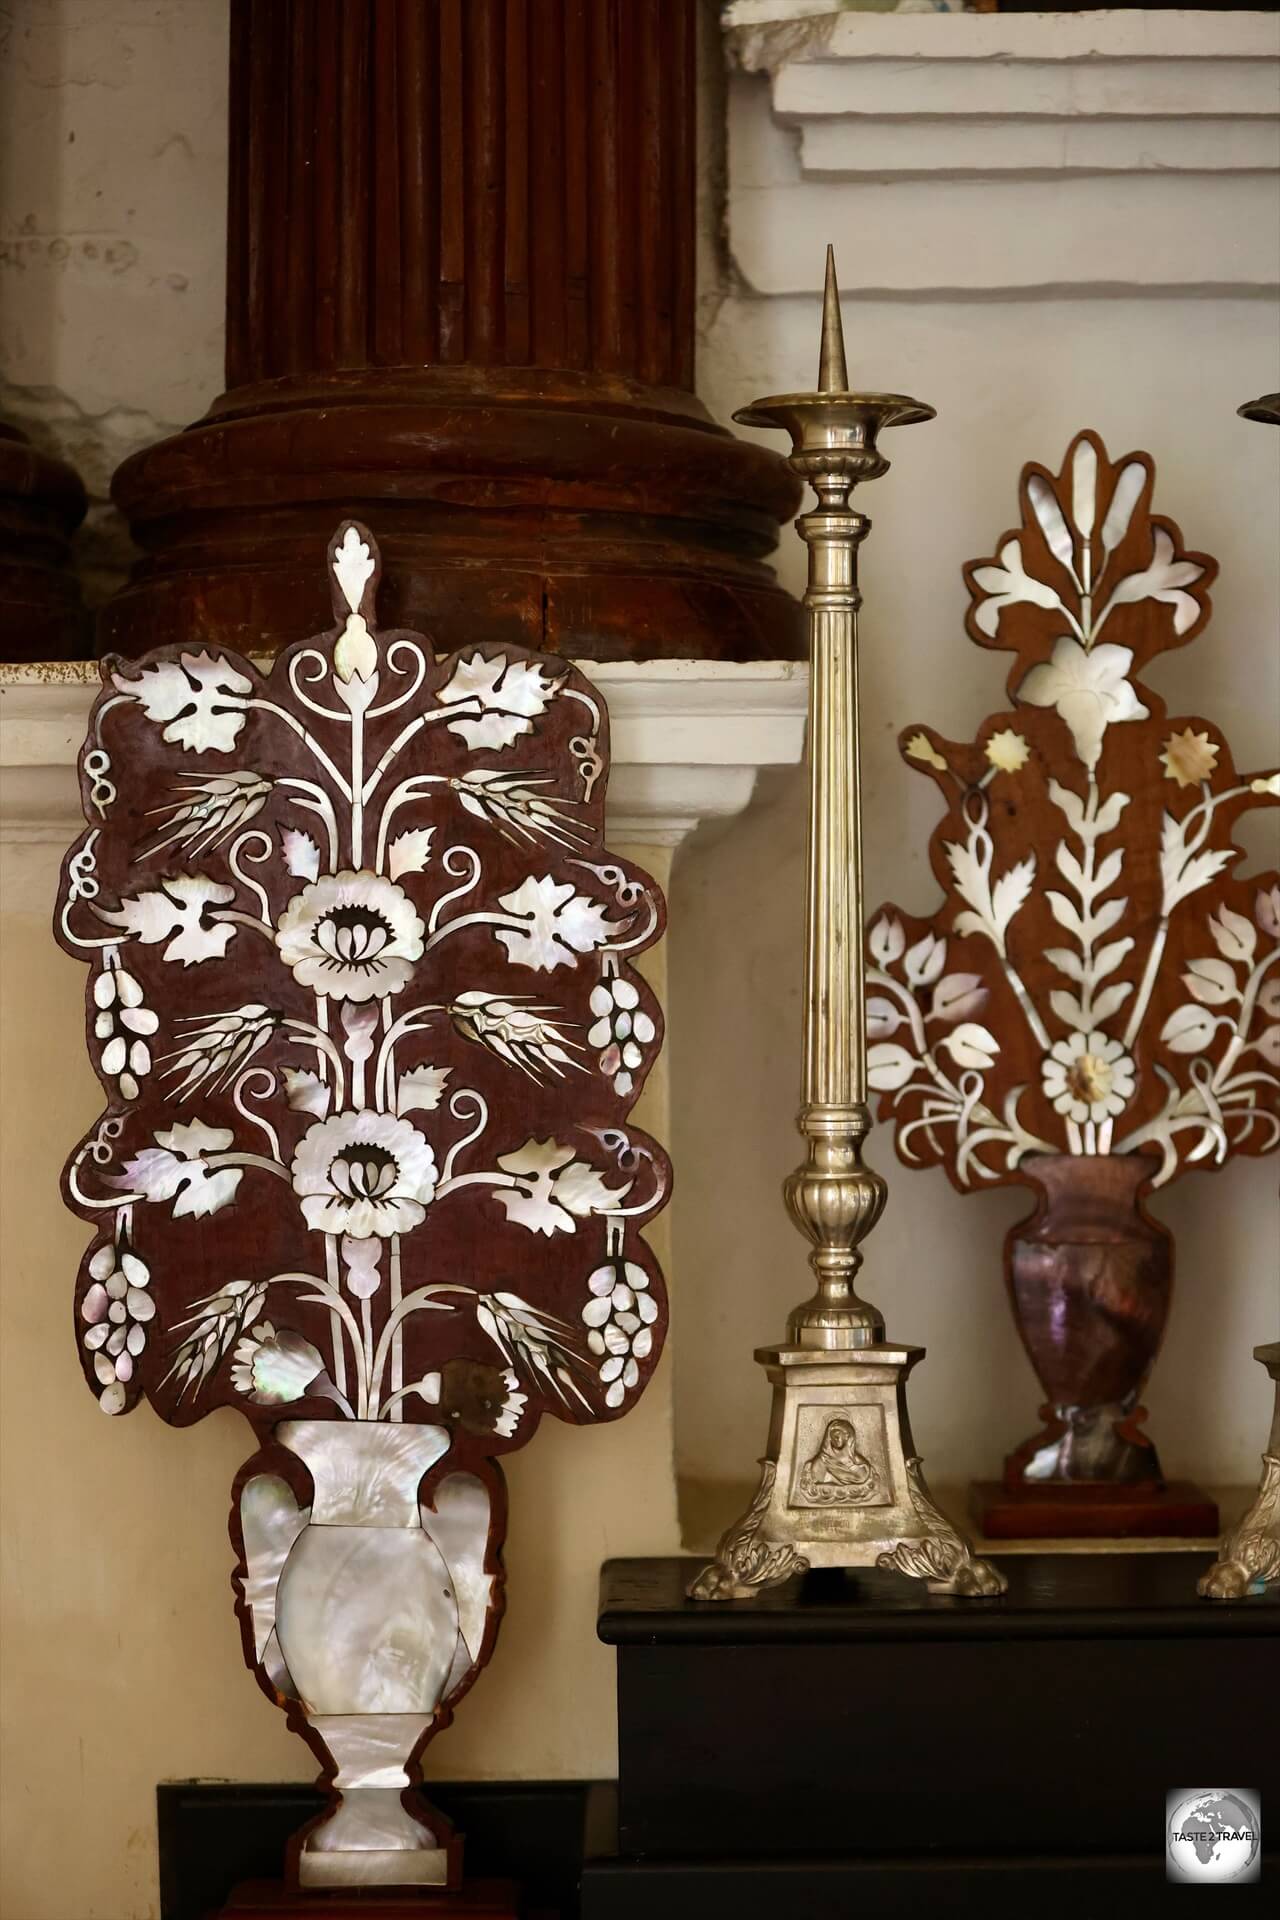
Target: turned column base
[[41, 504], [580, 514]]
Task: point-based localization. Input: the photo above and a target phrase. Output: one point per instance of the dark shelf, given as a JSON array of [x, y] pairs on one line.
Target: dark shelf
[[1051, 1596]]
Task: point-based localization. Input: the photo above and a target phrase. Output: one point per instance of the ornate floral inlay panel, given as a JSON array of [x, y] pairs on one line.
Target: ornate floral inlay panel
[[361, 997], [1098, 979], [1095, 1005]]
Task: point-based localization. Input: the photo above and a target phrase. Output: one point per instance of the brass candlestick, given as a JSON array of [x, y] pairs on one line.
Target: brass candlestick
[[1249, 1557], [840, 1485]]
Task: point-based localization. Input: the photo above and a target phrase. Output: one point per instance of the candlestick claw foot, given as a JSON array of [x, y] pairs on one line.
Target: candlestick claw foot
[[745, 1564], [943, 1557], [1250, 1558], [1249, 1561]]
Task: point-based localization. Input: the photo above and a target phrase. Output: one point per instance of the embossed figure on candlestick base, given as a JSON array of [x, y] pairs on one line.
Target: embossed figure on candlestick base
[[841, 1484]]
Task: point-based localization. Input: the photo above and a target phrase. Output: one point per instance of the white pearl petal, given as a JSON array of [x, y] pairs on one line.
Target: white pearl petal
[[642, 1345], [612, 1367], [630, 1374], [603, 1280], [128, 989], [596, 1312], [616, 1395], [625, 994], [114, 1055], [95, 1303], [643, 1027], [112, 1401], [615, 1339], [601, 1000]]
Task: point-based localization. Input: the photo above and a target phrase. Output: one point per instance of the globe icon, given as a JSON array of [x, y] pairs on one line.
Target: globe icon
[[1214, 1834]]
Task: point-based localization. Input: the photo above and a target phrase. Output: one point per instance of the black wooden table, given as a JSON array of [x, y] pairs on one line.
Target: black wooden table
[[852, 1743]]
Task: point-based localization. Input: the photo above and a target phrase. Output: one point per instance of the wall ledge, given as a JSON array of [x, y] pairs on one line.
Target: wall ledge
[[1006, 155], [689, 739]]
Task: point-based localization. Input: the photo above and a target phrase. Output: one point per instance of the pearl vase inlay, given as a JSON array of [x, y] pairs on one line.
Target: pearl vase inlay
[[379, 1610]]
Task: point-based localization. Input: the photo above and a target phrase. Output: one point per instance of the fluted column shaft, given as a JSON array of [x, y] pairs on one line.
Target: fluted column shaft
[[460, 307], [834, 1015], [450, 182]]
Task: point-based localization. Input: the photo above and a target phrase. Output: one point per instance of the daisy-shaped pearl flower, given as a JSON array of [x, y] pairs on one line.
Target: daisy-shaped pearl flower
[[1088, 1076]]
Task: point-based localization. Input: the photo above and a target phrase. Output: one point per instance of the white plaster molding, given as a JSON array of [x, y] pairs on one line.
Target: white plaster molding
[[1014, 154], [688, 740]]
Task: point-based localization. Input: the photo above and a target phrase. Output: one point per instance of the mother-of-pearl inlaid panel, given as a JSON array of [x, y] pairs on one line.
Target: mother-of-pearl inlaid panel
[[366, 1473]]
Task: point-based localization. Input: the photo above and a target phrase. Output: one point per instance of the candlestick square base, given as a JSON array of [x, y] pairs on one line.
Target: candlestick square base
[[841, 1484]]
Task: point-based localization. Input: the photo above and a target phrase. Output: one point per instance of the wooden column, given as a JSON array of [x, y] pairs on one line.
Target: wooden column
[[41, 504], [460, 306]]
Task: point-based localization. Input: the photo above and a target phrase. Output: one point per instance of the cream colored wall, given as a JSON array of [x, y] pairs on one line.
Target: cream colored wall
[[121, 1653]]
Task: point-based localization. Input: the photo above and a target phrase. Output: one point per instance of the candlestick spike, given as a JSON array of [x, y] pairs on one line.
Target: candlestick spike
[[841, 1485], [833, 376]]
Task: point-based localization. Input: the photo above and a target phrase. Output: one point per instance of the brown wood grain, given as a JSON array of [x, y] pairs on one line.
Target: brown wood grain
[[460, 300]]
